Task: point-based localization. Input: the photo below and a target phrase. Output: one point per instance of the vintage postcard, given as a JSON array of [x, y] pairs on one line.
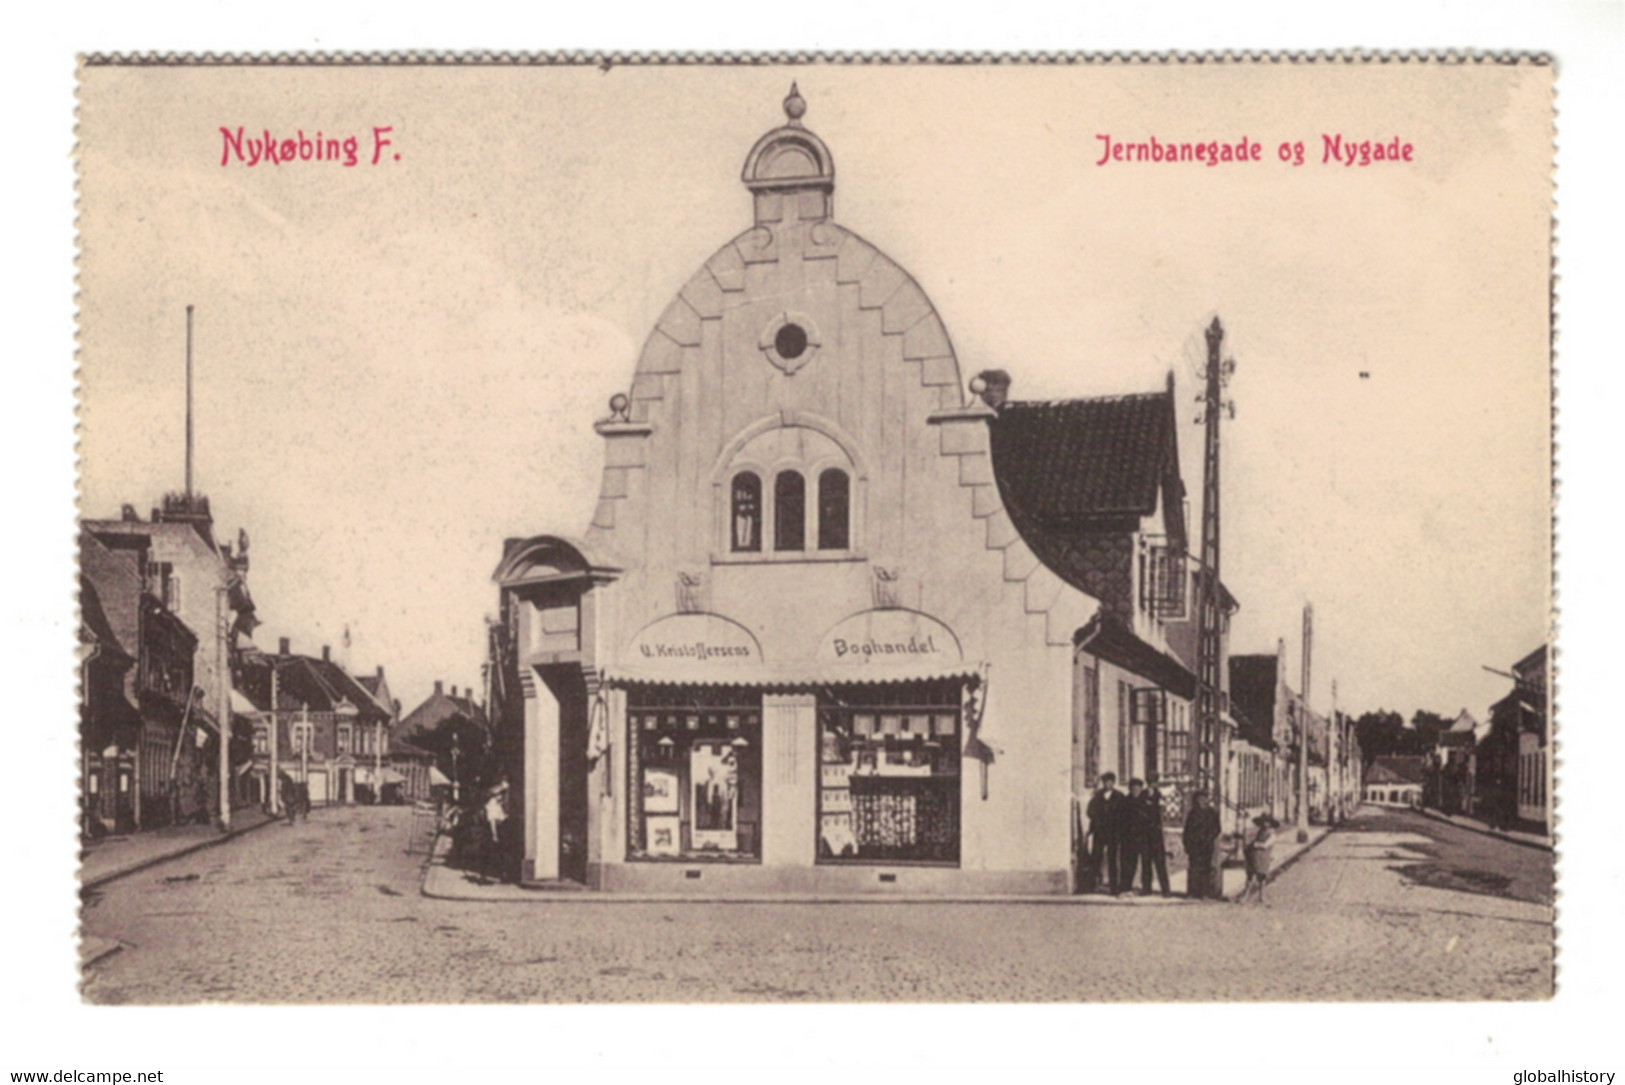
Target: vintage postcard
[[564, 530]]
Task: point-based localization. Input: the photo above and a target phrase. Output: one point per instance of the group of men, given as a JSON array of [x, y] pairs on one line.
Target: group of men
[[1125, 835]]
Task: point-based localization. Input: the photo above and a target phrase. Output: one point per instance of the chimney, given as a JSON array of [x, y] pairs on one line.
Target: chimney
[[327, 653], [993, 385], [439, 688], [282, 646], [380, 672]]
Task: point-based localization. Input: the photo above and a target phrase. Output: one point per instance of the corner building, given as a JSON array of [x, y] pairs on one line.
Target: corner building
[[802, 647]]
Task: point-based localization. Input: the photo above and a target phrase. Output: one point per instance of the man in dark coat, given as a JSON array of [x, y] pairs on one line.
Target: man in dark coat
[[1153, 851], [1106, 829], [1200, 836]]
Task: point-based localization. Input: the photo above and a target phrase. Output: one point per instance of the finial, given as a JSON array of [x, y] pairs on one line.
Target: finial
[[795, 106]]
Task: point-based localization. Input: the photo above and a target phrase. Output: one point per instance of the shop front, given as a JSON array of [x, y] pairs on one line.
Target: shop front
[[801, 647]]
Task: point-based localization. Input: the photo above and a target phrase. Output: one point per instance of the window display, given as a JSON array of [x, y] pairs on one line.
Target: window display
[[889, 773], [696, 769]]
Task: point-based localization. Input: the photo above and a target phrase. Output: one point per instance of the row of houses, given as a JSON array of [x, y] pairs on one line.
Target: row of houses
[[170, 671], [837, 625], [1498, 771]]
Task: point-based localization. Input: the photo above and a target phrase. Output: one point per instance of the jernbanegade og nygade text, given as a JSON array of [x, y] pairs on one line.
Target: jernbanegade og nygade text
[[1334, 150]]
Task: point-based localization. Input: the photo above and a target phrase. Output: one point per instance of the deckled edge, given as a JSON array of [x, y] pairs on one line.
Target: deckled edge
[[1553, 626], [607, 60], [80, 652]]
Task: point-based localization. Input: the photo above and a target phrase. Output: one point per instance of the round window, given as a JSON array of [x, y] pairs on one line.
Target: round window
[[790, 342]]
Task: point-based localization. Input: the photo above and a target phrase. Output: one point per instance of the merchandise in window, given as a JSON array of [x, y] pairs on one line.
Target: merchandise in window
[[696, 774], [889, 763]]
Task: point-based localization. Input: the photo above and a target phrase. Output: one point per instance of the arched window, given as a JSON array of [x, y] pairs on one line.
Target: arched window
[[789, 511], [834, 505], [747, 512]]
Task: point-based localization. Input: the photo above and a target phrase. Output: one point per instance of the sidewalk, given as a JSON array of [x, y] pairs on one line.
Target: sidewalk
[[441, 882], [116, 856], [1532, 840]]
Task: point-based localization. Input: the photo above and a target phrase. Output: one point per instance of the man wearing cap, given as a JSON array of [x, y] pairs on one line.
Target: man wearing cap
[[1200, 835], [1108, 821]]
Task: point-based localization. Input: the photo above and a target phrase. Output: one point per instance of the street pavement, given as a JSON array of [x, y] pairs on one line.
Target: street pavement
[[1391, 906]]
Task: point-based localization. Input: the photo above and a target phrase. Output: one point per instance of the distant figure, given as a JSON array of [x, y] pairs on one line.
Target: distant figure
[[1200, 836], [304, 800], [1153, 851], [1258, 858], [1106, 823], [289, 793]]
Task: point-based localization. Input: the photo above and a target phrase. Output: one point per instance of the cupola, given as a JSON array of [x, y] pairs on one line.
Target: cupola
[[790, 171]]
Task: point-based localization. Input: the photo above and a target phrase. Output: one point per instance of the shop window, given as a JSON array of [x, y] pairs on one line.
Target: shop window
[[834, 509], [889, 766], [747, 512], [344, 740], [789, 511], [695, 766]]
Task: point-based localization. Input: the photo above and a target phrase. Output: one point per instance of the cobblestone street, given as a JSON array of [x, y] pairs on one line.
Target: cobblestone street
[[1394, 906]]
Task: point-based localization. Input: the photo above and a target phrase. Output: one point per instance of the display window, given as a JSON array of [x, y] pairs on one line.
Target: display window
[[889, 764], [695, 772]]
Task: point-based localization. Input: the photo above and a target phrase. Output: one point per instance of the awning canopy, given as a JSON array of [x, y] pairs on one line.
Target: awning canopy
[[1108, 638], [438, 778], [788, 676], [364, 775]]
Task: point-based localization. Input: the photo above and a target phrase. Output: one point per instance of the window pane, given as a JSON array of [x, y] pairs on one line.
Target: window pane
[[833, 505], [789, 511], [747, 512]]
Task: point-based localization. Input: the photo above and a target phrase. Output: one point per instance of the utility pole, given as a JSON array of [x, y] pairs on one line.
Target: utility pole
[[1304, 729], [1334, 763], [1210, 617], [223, 679], [188, 409], [275, 780]]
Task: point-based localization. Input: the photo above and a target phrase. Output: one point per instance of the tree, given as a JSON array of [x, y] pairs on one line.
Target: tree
[[462, 750]]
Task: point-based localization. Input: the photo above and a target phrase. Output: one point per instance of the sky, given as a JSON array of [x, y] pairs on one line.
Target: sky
[[398, 365]]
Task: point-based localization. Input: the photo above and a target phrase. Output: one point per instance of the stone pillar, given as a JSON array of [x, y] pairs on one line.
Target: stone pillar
[[541, 778], [789, 779]]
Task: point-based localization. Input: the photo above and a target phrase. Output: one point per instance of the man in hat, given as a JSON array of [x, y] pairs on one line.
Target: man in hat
[[1200, 836], [1153, 852], [1107, 822]]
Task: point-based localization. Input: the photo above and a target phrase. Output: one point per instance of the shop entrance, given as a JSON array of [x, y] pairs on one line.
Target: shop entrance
[[556, 784]]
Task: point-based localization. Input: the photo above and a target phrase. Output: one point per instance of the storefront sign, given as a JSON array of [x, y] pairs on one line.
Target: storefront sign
[[693, 640], [889, 637]]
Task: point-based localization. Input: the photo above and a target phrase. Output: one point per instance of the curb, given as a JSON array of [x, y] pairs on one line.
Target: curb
[[146, 864], [544, 896], [1286, 864], [1445, 819]]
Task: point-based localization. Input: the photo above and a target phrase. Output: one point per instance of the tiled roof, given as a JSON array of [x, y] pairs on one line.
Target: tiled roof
[[1080, 461], [302, 682], [1252, 697], [111, 586], [1396, 770]]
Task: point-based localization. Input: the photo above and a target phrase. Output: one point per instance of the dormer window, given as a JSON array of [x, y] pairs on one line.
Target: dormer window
[[834, 509], [747, 513], [789, 511]]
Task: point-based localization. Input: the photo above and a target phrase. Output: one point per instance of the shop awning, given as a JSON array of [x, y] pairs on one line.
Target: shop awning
[[364, 775], [789, 676], [1107, 638]]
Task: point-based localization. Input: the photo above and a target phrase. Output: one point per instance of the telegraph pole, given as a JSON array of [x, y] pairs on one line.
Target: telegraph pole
[[1303, 725], [274, 781], [1210, 617], [223, 678]]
